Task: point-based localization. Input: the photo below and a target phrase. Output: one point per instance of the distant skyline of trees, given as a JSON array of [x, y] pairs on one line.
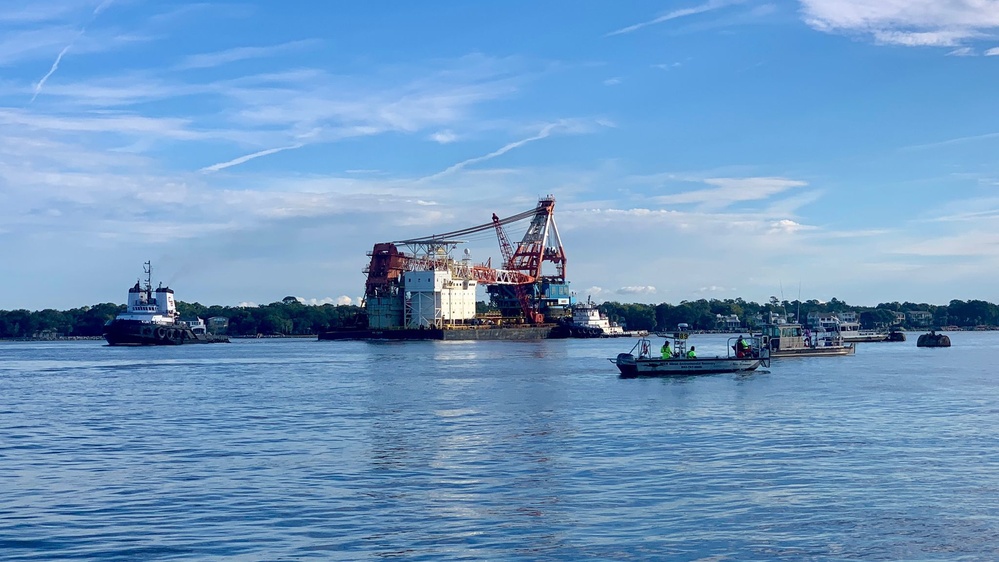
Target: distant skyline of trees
[[291, 317]]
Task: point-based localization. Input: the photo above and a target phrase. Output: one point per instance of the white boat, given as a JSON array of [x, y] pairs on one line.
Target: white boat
[[792, 340], [649, 361], [852, 332], [588, 322], [849, 331]]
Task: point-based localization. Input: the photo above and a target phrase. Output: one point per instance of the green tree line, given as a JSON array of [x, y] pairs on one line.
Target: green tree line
[[703, 314], [291, 317], [287, 317]]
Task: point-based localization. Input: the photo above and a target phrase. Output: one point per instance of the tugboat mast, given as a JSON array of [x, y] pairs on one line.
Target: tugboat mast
[[147, 268]]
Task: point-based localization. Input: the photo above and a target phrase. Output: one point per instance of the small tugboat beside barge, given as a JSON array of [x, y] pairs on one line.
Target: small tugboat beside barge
[[152, 319]]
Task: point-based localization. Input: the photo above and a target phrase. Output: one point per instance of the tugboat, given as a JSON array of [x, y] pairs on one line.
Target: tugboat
[[152, 319]]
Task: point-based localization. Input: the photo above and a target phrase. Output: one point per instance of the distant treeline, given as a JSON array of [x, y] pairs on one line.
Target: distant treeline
[[703, 314], [290, 317]]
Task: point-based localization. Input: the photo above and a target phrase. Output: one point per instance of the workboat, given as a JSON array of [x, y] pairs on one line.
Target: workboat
[[151, 318], [853, 333], [849, 331], [671, 358], [793, 340]]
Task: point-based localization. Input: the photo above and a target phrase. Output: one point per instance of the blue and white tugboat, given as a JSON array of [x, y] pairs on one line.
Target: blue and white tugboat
[[152, 319]]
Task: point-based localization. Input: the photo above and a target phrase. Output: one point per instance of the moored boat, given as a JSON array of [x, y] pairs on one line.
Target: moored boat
[[650, 363], [853, 333], [792, 340], [151, 318]]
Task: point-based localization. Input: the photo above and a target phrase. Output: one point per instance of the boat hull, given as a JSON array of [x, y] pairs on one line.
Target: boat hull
[[631, 366], [564, 331], [866, 338], [450, 334], [134, 333], [827, 351]]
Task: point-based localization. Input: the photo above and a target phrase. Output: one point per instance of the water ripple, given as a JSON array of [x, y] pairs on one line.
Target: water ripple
[[291, 450]]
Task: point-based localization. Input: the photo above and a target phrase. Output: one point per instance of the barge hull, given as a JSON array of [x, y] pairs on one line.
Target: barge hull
[[450, 334]]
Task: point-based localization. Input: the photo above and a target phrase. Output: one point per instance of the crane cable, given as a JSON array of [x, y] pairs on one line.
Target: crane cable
[[473, 229]]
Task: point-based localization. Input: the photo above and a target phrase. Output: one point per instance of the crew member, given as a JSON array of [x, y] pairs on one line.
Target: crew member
[[741, 347], [665, 351], [691, 354]]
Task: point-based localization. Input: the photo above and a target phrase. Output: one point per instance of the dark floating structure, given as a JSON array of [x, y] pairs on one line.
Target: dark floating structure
[[933, 339], [896, 335]]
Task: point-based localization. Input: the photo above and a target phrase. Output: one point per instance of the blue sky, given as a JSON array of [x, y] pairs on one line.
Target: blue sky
[[702, 149]]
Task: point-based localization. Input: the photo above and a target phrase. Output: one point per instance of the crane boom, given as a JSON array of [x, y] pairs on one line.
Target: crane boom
[[530, 314]]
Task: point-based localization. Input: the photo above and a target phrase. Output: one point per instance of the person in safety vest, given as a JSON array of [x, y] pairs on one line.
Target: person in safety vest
[[665, 351], [741, 348], [691, 354]]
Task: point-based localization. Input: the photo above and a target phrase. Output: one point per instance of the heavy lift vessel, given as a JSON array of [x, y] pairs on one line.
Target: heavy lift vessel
[[417, 289]]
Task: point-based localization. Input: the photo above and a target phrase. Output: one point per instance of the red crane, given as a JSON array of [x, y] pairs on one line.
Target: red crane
[[530, 314]]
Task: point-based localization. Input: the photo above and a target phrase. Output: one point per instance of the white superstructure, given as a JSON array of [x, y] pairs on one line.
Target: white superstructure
[[149, 306], [434, 298], [589, 316]]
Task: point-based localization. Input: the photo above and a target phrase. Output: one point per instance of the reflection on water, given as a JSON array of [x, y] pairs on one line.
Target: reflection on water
[[493, 450]]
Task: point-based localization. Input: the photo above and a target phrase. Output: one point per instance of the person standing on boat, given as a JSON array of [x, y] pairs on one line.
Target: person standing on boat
[[691, 354], [741, 347], [665, 351]]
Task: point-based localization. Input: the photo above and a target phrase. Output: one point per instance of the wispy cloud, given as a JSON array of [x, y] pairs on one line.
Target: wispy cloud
[[209, 60], [994, 51], [683, 12], [102, 6], [545, 132], [55, 65], [954, 141], [727, 191], [911, 23], [248, 157], [962, 52]]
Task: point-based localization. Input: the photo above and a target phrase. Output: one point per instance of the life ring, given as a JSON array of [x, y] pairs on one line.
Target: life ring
[[161, 332]]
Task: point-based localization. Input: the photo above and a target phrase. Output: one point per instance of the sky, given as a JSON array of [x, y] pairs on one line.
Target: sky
[[712, 149]]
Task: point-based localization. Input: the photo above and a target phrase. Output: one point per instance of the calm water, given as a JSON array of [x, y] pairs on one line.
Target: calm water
[[298, 449]]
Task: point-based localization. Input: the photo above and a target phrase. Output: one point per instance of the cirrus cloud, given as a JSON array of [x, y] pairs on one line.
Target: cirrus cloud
[[935, 23]]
